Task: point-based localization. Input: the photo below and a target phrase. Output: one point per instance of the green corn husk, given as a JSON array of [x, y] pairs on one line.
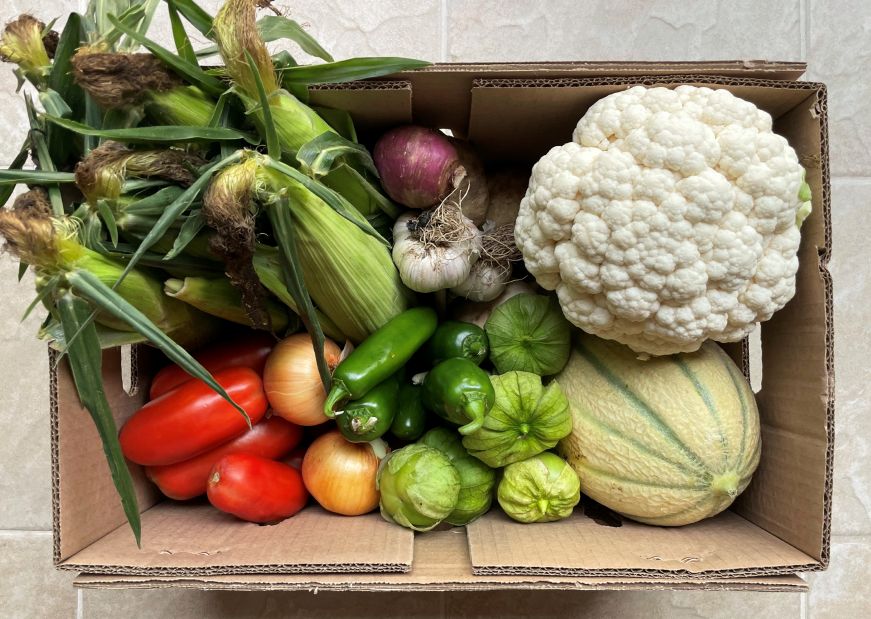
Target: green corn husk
[[183, 105], [268, 268], [349, 274], [219, 298]]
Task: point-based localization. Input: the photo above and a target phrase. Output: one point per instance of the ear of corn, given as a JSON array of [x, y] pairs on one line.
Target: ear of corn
[[219, 298]]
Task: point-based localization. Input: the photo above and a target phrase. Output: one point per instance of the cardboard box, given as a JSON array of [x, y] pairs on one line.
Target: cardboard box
[[513, 113]]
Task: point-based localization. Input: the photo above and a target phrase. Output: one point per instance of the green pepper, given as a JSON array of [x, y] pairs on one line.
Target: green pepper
[[459, 391], [410, 420], [369, 417], [458, 339], [381, 355]]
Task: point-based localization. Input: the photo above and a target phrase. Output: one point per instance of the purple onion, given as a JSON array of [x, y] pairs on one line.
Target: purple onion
[[419, 167]]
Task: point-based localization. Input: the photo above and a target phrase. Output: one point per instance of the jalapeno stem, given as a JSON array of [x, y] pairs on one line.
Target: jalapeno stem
[[475, 408], [338, 395]]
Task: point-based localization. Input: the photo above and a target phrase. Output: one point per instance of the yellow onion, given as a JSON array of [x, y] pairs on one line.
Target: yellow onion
[[340, 475], [292, 382]]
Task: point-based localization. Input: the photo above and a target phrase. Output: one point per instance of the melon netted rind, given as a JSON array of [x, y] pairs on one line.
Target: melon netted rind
[[667, 441]]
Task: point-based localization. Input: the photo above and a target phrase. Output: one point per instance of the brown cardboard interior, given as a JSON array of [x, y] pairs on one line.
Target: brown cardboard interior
[[783, 522], [441, 563]]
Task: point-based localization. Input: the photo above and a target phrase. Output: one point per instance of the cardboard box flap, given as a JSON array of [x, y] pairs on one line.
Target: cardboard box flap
[[543, 112], [441, 563], [80, 474], [441, 91], [197, 540], [375, 105], [726, 545]]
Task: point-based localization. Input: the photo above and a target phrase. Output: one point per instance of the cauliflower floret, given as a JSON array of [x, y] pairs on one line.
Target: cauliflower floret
[[671, 218]]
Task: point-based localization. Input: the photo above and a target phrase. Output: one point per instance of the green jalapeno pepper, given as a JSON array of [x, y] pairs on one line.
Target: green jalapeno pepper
[[410, 420], [459, 391], [380, 356], [369, 417], [458, 339]]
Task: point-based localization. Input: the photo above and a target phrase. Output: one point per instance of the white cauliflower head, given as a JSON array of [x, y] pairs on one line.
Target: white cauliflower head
[[673, 217]]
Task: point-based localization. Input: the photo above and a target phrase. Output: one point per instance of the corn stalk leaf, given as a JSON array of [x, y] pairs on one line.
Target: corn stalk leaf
[[168, 133], [6, 190], [320, 155], [182, 42], [191, 72], [281, 217], [88, 286], [43, 155], [61, 77], [86, 362], [273, 146], [332, 198], [339, 120], [35, 177], [348, 70], [372, 189], [154, 204], [22, 270], [274, 28], [108, 218], [93, 120], [194, 14], [189, 229], [44, 291]]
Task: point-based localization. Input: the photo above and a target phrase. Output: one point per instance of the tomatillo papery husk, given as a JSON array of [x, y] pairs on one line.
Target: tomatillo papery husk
[[543, 488], [477, 480], [526, 419], [529, 333], [419, 487]]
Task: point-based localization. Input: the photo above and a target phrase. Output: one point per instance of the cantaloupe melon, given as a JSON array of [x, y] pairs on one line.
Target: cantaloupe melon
[[667, 441]]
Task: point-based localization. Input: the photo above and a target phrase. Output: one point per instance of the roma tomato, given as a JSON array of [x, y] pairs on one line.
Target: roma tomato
[[256, 489], [271, 438], [249, 351], [192, 419]]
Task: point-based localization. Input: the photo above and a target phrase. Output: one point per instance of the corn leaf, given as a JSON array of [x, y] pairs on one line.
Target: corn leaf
[[189, 229], [154, 204], [182, 42], [332, 198], [321, 154], [93, 120], [372, 189], [22, 270], [273, 146], [61, 77], [339, 120], [43, 155], [44, 291], [276, 27], [35, 177], [108, 218], [283, 227], [86, 362], [191, 72], [168, 133], [194, 14], [16, 165], [348, 70], [88, 286]]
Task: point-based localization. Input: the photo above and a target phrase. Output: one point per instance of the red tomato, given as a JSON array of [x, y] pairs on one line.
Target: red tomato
[[271, 438], [249, 351], [256, 489], [193, 419]]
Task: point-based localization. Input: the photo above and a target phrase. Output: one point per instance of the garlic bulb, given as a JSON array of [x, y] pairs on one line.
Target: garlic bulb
[[436, 249], [486, 281]]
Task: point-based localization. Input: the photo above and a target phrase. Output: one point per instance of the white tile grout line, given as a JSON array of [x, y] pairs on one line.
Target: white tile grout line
[[80, 603], [805, 607], [804, 25], [443, 52]]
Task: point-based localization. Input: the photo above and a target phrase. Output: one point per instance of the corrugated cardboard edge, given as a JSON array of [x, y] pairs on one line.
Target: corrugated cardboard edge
[[53, 358], [789, 584]]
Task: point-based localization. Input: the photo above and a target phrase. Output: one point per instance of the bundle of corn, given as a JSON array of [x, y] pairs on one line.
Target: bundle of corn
[[156, 216]]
